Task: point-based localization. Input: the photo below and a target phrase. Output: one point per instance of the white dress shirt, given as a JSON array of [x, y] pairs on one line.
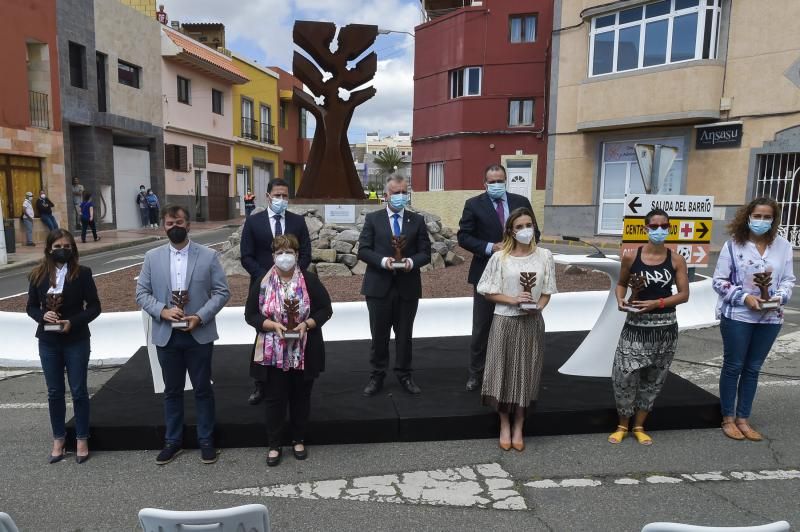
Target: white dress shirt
[[178, 260], [61, 275], [272, 221], [391, 213]]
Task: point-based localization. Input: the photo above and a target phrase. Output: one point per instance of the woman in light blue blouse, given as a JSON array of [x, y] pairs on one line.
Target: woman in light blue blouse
[[748, 323]]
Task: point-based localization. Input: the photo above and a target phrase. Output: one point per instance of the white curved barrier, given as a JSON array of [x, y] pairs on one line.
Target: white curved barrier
[[117, 335]]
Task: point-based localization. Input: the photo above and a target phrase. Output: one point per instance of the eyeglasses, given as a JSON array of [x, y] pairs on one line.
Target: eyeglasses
[[658, 226]]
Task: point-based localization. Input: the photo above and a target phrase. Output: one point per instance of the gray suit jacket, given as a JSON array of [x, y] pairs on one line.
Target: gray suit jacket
[[208, 291]]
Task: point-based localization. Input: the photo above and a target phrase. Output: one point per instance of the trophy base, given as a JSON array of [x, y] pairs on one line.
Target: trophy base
[[54, 327], [291, 335], [770, 305], [398, 265], [528, 306], [180, 324], [635, 310]]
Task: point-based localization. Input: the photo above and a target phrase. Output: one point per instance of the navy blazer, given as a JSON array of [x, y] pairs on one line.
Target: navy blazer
[[256, 243], [375, 244], [479, 225], [81, 306]]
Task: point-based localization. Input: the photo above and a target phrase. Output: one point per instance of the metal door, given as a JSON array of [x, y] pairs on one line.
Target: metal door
[[777, 177]]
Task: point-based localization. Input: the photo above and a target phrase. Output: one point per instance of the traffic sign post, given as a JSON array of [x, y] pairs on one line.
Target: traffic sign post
[[655, 161], [691, 224]]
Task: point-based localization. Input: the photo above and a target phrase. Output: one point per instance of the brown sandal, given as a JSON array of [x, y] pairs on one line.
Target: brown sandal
[[730, 430], [748, 431]]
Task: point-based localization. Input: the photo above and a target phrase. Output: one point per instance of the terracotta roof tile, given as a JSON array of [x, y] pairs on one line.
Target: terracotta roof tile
[[206, 54]]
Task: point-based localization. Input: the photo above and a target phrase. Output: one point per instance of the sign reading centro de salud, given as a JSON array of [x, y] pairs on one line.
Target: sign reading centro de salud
[[691, 222]]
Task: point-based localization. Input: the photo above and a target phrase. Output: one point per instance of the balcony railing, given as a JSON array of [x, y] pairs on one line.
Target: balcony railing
[[40, 109], [253, 130], [249, 129], [268, 133]]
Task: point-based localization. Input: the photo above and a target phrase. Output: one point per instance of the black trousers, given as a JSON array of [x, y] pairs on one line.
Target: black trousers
[[86, 224], [385, 314], [282, 389], [482, 315]]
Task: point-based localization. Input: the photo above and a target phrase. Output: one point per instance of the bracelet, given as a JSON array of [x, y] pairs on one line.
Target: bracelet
[[660, 302]]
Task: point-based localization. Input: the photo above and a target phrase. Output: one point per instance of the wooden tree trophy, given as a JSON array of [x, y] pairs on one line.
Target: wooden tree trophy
[[637, 283], [54, 303], [763, 280], [528, 281], [292, 306], [330, 172], [180, 298], [398, 243]]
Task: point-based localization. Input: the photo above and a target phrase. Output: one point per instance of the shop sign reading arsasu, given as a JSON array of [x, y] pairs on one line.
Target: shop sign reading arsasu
[[719, 136], [691, 222]]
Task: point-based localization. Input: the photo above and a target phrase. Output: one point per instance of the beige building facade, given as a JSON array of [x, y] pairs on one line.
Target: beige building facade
[[717, 79]]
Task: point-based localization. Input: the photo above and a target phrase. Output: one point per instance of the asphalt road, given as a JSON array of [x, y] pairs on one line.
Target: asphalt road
[[15, 281]]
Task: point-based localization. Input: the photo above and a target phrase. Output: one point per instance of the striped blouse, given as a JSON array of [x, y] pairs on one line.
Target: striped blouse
[[733, 279]]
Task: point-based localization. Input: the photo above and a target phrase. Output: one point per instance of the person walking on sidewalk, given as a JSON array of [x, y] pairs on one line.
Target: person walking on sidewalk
[[184, 334], [88, 217], [77, 199], [144, 209], [59, 277], [27, 218], [749, 325], [153, 208], [249, 202], [45, 207]]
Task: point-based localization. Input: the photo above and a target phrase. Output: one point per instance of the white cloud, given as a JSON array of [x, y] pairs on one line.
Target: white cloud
[[265, 28]]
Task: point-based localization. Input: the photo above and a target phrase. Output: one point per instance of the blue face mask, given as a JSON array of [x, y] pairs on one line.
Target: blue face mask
[[398, 201], [759, 227], [657, 236], [496, 190], [278, 205]]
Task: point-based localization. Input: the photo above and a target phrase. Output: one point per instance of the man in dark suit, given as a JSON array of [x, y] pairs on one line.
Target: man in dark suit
[[480, 232], [393, 292], [256, 243]]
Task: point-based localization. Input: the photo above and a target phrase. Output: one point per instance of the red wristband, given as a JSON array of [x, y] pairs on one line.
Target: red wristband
[[660, 302]]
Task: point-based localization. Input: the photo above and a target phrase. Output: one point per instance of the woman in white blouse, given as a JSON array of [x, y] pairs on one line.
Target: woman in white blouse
[[749, 321], [515, 351]]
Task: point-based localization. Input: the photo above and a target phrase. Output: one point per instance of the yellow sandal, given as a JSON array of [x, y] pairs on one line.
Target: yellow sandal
[[641, 436], [618, 435]]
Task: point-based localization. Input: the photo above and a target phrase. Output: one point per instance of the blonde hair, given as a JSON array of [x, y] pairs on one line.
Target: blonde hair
[[509, 242]]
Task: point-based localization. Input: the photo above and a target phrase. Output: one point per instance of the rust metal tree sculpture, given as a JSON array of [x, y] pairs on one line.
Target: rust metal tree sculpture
[[330, 172]]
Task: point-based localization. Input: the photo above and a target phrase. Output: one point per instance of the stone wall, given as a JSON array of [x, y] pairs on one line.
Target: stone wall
[[334, 248]]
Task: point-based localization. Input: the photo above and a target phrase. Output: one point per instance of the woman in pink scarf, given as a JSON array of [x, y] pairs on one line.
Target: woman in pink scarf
[[287, 309]]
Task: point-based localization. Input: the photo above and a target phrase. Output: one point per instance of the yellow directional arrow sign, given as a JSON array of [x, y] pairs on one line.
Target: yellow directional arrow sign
[[680, 231]]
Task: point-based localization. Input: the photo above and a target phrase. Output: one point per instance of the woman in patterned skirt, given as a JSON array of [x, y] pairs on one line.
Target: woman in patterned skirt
[[516, 340], [647, 342]]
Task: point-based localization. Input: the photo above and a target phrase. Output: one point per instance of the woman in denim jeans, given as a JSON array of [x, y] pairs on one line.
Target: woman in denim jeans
[[62, 296], [749, 324]]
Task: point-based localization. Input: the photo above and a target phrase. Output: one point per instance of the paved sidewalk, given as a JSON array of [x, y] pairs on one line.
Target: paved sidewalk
[[26, 256]]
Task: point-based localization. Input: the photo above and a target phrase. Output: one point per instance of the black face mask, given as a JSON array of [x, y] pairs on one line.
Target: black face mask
[[62, 255], [177, 234]]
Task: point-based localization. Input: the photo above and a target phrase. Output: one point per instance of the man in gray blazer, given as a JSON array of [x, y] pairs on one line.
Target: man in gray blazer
[[184, 337]]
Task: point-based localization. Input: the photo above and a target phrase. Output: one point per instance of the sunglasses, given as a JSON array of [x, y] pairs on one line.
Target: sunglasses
[[658, 226]]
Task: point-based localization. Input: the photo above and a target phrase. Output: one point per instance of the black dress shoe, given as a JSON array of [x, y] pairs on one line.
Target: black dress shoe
[[257, 396], [272, 461], [373, 386], [474, 383], [300, 455], [57, 458], [409, 385], [82, 459], [169, 453], [208, 454]]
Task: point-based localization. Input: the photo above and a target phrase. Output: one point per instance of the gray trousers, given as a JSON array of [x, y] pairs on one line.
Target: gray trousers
[[28, 224]]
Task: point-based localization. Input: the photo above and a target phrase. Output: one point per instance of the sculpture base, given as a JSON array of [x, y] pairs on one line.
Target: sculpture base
[[54, 327], [770, 305], [398, 265], [180, 324], [291, 335], [529, 306]]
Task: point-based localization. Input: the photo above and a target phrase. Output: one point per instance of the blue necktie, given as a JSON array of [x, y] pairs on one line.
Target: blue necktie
[[278, 228], [396, 224]]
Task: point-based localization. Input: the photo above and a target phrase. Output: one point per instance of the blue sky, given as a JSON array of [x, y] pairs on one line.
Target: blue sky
[[262, 30]]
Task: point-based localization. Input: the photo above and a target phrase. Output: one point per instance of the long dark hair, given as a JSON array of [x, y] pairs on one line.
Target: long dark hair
[[739, 227], [46, 269]]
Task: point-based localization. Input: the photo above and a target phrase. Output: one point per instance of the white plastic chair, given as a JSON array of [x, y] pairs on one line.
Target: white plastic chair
[[7, 524], [780, 526], [247, 518]]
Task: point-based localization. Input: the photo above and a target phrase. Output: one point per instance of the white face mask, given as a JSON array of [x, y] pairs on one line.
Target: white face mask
[[524, 236], [285, 261]]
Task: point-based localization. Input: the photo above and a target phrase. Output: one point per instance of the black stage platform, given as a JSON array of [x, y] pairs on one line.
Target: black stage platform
[[126, 414]]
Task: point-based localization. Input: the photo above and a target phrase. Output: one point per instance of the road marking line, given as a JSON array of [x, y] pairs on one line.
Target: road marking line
[[23, 406], [485, 486], [712, 476]]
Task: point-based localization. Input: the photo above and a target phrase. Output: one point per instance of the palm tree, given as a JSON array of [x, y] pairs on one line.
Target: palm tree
[[389, 160]]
